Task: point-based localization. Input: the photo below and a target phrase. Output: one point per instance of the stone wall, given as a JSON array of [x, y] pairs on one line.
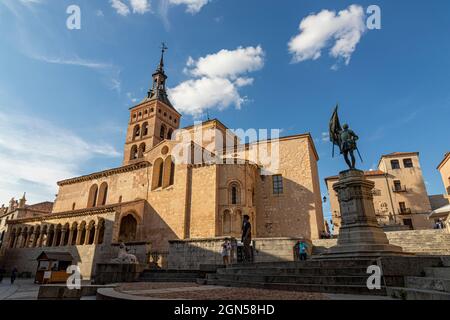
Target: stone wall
[[190, 254]]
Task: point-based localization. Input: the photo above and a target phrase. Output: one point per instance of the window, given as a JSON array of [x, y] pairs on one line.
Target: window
[[397, 185], [103, 194], [395, 164], [92, 200], [234, 193], [407, 163], [403, 208], [145, 129], [136, 132], [277, 184], [160, 175], [162, 133], [134, 152]]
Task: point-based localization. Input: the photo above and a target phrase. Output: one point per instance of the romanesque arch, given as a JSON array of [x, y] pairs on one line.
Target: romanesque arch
[[128, 228], [141, 150], [103, 194], [145, 129], [234, 193], [169, 172], [162, 132], [136, 132], [92, 199], [158, 171], [12, 238], [134, 152]]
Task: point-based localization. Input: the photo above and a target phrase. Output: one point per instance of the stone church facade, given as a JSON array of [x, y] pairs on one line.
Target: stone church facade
[[155, 197]]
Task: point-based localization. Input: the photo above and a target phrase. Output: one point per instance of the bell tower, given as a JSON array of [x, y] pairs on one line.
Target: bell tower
[[153, 120]]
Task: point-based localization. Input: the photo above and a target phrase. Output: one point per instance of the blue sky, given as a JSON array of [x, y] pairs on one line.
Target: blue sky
[[65, 94]]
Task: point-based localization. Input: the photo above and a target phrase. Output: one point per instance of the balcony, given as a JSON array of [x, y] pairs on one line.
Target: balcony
[[404, 211], [399, 188]]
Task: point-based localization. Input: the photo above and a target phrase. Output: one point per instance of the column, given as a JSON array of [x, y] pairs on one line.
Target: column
[[88, 232], [80, 231], [63, 236], [55, 237], [69, 242]]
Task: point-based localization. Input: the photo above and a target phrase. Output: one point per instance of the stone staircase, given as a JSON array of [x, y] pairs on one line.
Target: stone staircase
[[434, 285], [170, 275], [328, 276], [422, 242]]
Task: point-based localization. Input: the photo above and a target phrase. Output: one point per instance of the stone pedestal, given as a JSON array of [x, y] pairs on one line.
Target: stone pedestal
[[360, 235]]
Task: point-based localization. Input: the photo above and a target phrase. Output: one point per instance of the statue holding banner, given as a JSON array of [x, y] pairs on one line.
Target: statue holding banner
[[345, 138]]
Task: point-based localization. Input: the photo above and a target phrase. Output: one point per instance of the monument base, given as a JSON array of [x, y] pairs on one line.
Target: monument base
[[360, 235]]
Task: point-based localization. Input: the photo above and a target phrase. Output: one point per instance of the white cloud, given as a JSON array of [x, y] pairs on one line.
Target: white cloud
[[195, 96], [39, 154], [192, 6], [342, 31], [120, 7], [226, 63], [140, 6], [216, 80]]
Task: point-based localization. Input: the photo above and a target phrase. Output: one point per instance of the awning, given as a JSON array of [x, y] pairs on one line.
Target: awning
[[55, 256], [441, 212]]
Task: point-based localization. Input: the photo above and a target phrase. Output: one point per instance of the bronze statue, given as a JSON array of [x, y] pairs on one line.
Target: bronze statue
[[345, 138]]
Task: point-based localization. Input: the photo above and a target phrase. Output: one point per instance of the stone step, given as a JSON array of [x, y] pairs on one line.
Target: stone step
[[313, 271], [168, 280], [310, 280], [344, 289], [341, 263], [446, 261], [416, 294], [440, 273], [425, 283]]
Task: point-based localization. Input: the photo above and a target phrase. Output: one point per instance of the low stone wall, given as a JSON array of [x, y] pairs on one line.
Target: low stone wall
[[277, 249], [108, 273], [191, 254]]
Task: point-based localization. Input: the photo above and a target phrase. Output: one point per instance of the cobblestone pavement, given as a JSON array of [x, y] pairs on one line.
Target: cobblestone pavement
[[193, 291], [22, 289]]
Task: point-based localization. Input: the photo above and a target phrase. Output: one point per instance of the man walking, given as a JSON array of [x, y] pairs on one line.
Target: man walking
[[247, 238], [14, 275]]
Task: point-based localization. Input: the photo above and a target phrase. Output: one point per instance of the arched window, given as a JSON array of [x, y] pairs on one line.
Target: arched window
[[128, 228], [101, 231], [145, 129], [136, 132], [170, 134], [158, 170], [162, 133], [91, 229], [103, 194], [134, 152], [234, 193], [169, 172], [82, 233], [141, 150], [92, 200], [226, 223]]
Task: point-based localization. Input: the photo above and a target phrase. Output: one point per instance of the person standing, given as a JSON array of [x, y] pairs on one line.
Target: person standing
[[247, 238], [14, 275], [303, 251], [226, 253]]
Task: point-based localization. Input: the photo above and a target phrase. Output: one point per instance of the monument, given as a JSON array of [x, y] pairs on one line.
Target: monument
[[360, 235]]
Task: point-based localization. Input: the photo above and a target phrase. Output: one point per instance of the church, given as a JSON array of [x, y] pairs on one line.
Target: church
[[157, 196]]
